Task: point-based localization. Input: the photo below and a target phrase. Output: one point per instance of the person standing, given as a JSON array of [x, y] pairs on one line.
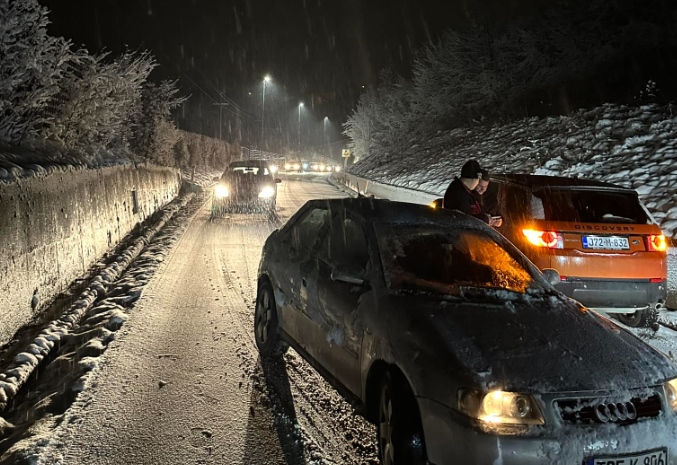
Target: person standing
[[460, 193]]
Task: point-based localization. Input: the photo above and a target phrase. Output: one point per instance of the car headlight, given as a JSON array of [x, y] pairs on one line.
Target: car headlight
[[671, 393], [273, 169], [287, 166], [297, 166], [305, 166], [221, 191], [337, 169], [267, 192], [500, 407]]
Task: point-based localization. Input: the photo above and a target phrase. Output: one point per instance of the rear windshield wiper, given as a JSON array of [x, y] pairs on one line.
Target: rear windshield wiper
[[617, 219]]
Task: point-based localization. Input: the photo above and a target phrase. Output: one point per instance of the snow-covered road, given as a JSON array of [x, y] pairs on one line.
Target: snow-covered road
[[183, 383]]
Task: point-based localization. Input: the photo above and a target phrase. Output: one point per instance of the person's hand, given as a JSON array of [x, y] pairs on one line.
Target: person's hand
[[496, 222]]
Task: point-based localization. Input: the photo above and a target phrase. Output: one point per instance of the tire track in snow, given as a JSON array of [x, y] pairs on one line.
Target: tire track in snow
[[323, 411]]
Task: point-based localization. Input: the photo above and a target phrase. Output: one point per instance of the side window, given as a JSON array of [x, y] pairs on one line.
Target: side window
[[515, 203], [345, 246], [307, 230]]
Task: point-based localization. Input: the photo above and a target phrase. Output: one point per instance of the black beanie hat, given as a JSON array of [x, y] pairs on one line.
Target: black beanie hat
[[471, 170]]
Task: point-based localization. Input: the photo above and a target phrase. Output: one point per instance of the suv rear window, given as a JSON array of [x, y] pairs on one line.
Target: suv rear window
[[588, 206]]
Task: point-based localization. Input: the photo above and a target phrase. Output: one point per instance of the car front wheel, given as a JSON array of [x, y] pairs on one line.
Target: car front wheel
[[265, 323], [400, 433]]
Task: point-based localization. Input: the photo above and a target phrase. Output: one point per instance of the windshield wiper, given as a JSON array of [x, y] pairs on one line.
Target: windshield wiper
[[616, 219]]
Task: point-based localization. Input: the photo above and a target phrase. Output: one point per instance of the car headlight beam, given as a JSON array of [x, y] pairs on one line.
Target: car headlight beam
[[501, 407], [267, 192], [221, 191], [671, 393]]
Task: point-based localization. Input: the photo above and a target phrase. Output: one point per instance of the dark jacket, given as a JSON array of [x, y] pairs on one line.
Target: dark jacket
[[458, 197]]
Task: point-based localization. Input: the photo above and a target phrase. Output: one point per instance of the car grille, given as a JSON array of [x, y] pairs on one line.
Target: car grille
[[583, 411]]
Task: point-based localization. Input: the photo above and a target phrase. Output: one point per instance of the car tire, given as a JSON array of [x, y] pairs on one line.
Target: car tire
[[399, 429], [266, 324], [640, 319]]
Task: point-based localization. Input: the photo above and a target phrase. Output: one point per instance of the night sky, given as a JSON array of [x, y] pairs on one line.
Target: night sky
[[321, 52]]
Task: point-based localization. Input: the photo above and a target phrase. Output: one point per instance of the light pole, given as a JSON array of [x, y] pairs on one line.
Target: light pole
[[263, 106], [300, 106], [326, 120]]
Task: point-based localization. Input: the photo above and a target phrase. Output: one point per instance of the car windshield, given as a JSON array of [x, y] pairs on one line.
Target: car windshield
[[441, 261], [589, 206], [255, 170]]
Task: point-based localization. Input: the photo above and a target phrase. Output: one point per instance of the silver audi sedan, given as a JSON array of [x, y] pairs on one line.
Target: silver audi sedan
[[455, 345]]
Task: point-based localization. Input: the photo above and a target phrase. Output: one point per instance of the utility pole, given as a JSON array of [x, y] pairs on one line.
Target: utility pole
[[221, 105]]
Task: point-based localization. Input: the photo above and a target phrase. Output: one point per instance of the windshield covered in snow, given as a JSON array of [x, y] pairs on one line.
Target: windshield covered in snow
[[441, 261], [589, 206]]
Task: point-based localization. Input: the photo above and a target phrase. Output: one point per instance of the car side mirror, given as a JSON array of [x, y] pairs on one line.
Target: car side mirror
[[347, 278], [216, 179], [552, 275], [278, 180]]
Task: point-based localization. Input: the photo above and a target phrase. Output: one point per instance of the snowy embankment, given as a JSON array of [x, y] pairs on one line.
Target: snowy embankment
[[631, 146]]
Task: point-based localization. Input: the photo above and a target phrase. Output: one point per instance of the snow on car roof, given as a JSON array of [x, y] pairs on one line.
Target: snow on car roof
[[542, 181], [386, 211]]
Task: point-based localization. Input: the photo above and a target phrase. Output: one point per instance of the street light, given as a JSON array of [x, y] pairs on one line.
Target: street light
[[300, 106], [326, 120], [263, 105]]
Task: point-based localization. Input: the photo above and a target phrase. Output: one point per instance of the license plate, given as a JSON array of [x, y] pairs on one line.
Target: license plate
[[606, 242], [657, 457]]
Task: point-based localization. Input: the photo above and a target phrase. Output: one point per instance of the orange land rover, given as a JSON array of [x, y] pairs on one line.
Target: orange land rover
[[609, 252]]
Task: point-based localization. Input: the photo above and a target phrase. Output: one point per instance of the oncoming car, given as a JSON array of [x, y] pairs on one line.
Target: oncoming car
[[455, 345], [247, 185]]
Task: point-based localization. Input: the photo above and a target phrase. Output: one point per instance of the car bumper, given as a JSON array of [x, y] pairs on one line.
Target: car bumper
[[449, 441], [243, 203], [609, 294]]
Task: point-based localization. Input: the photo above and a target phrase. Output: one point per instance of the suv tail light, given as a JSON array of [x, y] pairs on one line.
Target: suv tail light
[[548, 239], [657, 243]]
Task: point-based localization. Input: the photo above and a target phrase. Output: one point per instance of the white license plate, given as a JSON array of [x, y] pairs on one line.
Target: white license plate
[[657, 457], [606, 242]]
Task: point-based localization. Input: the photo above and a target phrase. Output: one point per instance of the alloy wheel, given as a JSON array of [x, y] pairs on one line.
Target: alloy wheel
[[386, 427], [264, 316]]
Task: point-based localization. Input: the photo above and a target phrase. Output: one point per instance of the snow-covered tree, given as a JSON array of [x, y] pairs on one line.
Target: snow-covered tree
[[153, 134], [99, 100], [32, 64]]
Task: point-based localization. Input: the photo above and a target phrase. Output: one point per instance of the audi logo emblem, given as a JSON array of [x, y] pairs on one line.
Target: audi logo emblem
[[615, 411]]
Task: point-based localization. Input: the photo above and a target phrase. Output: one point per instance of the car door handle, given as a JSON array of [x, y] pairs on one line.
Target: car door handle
[[304, 282]]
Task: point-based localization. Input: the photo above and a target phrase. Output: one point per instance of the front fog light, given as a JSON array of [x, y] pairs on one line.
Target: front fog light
[[500, 407], [221, 191], [671, 393], [267, 192]]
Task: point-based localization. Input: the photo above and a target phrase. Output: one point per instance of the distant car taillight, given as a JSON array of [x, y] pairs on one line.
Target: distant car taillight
[[657, 243], [548, 239]]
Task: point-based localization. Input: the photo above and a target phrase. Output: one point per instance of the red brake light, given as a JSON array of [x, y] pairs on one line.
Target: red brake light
[[656, 280], [548, 239], [657, 243]]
